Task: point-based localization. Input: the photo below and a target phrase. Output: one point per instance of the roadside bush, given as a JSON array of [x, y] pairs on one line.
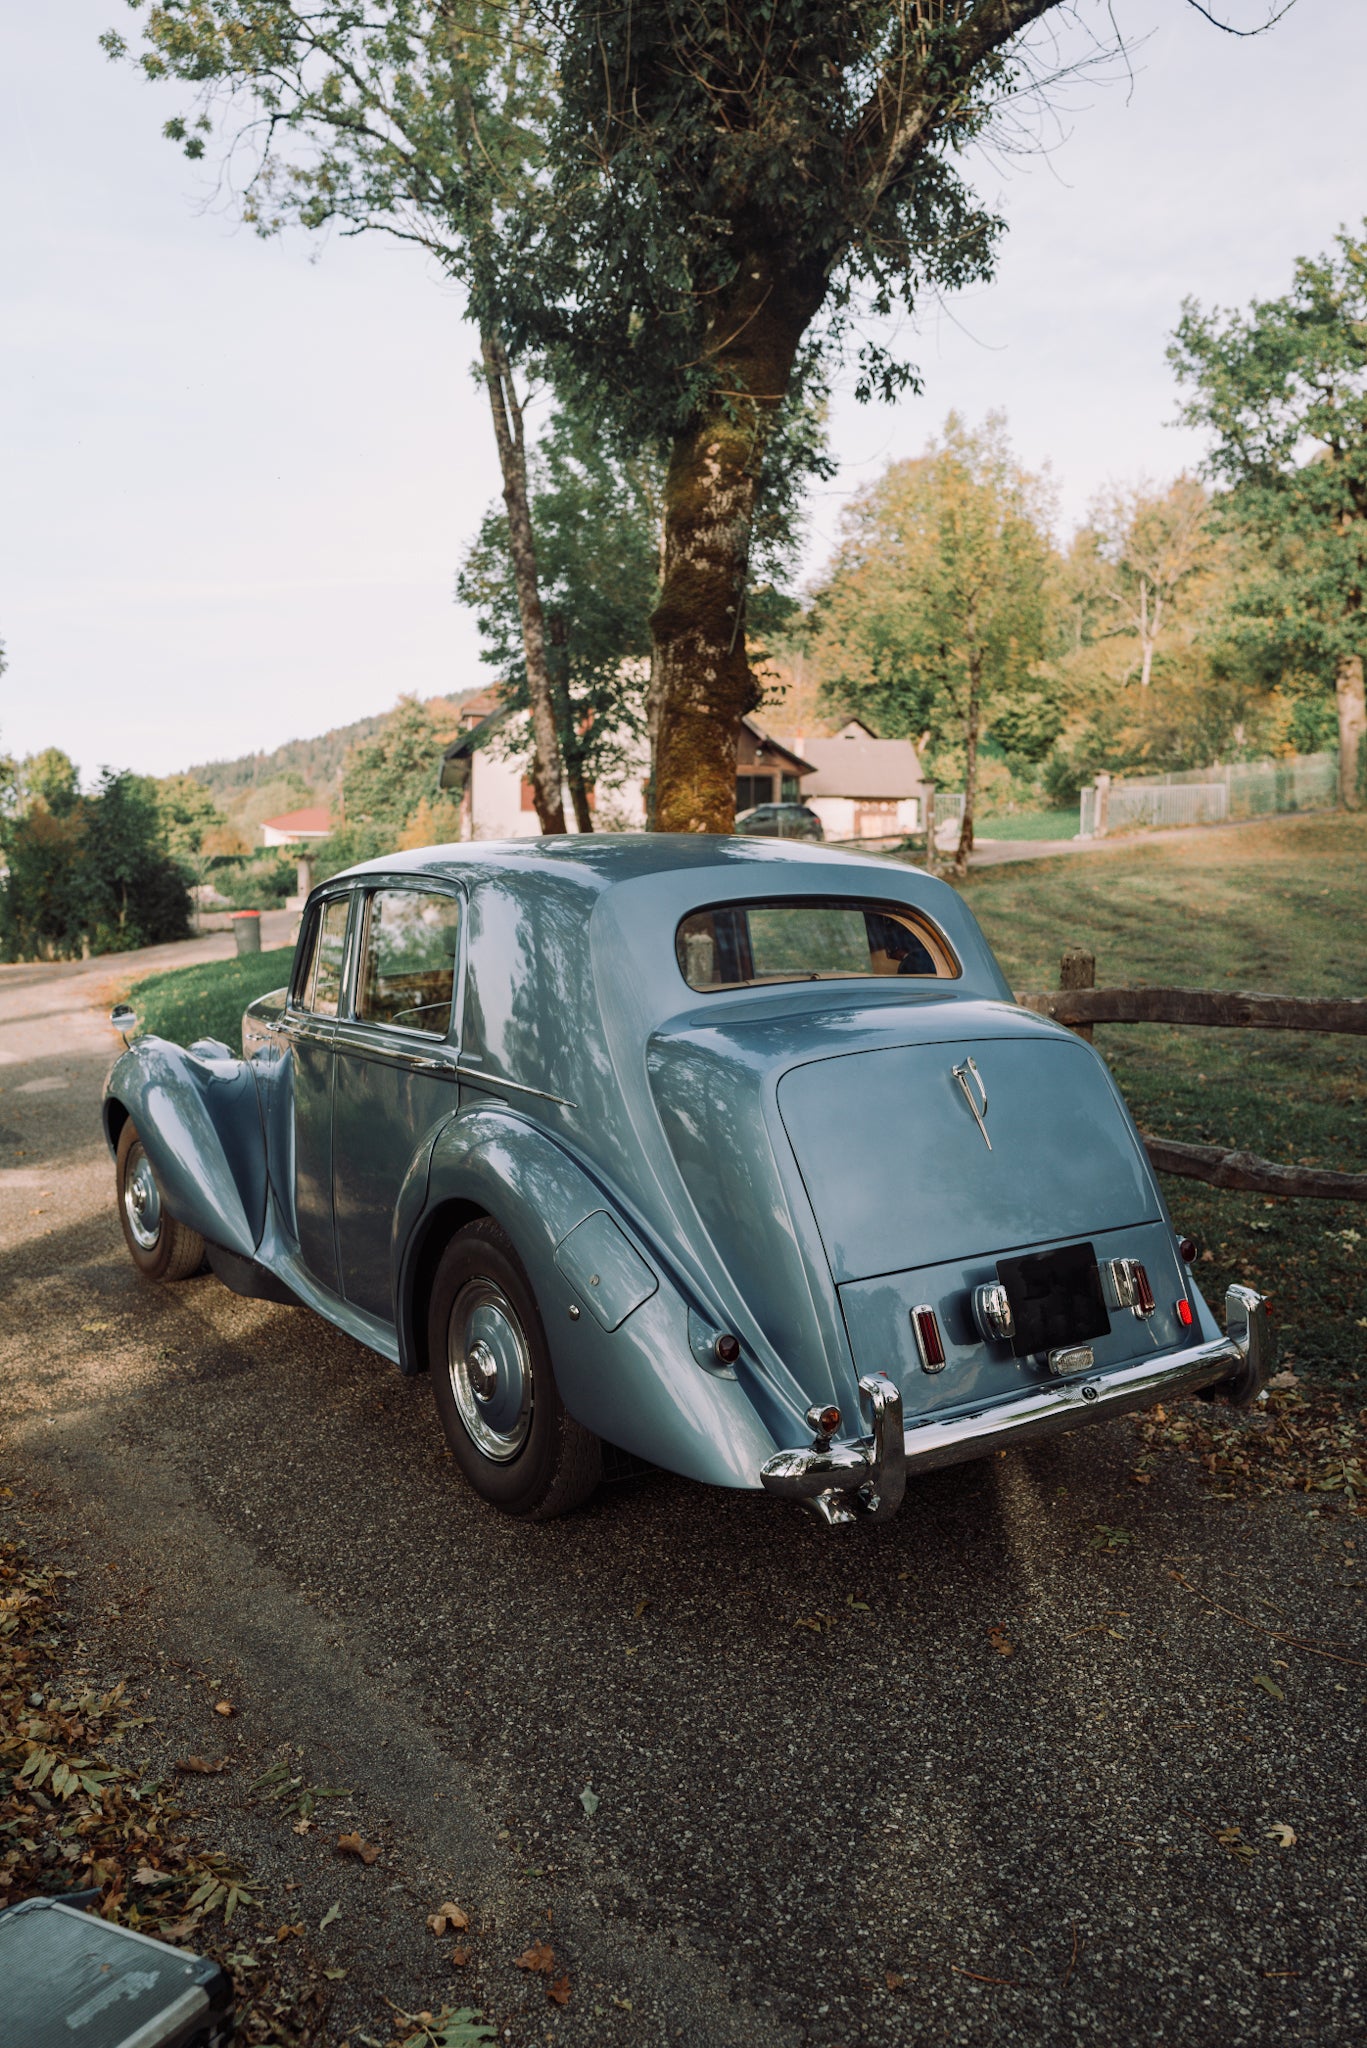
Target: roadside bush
[[90, 873], [262, 883]]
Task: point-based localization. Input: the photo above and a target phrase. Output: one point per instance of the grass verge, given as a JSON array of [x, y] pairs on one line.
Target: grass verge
[[1060, 824], [207, 1001]]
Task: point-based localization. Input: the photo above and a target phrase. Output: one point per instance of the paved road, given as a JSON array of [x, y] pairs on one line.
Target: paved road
[[833, 1810]]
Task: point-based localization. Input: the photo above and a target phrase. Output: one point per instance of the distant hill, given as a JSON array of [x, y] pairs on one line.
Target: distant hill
[[316, 762]]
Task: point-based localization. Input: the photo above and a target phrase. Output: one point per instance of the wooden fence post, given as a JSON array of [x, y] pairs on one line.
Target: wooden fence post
[[1077, 969], [930, 827]]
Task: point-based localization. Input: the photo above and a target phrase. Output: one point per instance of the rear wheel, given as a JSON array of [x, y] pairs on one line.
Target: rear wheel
[[159, 1247], [494, 1387]]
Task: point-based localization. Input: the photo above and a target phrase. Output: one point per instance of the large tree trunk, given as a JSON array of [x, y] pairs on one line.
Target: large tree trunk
[[701, 682], [1352, 709], [512, 458], [972, 721]]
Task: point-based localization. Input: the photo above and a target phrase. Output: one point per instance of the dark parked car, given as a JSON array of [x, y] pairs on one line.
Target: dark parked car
[[736, 1154], [780, 821]]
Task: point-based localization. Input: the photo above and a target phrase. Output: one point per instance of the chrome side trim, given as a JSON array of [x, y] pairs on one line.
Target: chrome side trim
[[483, 1080]]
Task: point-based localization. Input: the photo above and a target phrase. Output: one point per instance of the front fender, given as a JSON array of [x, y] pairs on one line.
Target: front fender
[[637, 1383], [199, 1120]]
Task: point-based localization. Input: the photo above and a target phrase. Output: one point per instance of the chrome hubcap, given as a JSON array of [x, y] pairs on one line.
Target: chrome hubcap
[[142, 1200], [490, 1369]]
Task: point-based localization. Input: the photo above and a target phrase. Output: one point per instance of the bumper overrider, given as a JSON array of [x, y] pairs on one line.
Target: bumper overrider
[[864, 1478]]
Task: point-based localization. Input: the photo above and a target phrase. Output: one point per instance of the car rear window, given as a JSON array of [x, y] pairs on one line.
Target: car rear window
[[742, 945]]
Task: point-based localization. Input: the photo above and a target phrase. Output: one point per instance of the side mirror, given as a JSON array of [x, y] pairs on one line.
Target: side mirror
[[124, 1018]]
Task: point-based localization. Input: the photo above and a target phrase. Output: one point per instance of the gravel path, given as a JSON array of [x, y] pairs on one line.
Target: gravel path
[[995, 1771]]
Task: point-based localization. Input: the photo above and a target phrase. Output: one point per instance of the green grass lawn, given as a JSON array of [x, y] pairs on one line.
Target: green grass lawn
[[207, 1001], [1281, 906], [1028, 825]]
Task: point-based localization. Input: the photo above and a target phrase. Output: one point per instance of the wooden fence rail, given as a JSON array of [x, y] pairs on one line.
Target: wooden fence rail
[[1081, 1006]]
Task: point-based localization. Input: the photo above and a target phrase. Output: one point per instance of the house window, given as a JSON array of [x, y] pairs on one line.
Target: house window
[[790, 791], [528, 794], [752, 790]]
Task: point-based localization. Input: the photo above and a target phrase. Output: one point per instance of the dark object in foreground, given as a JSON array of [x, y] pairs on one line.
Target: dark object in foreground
[[69, 1978]]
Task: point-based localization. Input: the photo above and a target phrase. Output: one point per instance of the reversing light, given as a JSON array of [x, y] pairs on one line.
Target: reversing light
[[1144, 1303], [1184, 1314], [931, 1345]]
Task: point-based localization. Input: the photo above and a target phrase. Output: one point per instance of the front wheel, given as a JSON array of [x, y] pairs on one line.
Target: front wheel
[[159, 1247], [495, 1390]]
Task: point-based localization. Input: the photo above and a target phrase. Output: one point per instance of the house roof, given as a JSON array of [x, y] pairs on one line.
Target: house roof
[[875, 769], [314, 821], [773, 746]]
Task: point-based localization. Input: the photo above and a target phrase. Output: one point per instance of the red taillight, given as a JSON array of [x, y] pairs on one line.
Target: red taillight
[[929, 1342], [1184, 1314]]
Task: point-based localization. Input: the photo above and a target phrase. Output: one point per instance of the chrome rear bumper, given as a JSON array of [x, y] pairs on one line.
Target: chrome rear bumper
[[865, 1477]]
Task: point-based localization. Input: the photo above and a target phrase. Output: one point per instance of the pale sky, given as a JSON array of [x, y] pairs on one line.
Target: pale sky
[[238, 475]]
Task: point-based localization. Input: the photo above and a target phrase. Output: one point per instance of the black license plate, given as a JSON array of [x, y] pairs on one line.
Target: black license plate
[[1055, 1298]]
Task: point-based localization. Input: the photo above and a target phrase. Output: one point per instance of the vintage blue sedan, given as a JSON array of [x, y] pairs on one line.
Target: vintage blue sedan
[[734, 1154]]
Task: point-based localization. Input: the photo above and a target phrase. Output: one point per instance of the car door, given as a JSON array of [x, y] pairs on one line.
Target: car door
[[310, 1027], [395, 1072]]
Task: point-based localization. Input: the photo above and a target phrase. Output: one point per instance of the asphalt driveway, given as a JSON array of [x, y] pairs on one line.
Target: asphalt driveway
[[999, 1770]]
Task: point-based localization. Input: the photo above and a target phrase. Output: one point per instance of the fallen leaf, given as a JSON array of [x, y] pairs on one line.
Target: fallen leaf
[[352, 1845], [144, 1874], [1269, 1685], [590, 1801], [639, 1609], [539, 1958], [225, 1707], [448, 1914], [335, 1976], [460, 1957], [303, 1827], [1283, 1834], [334, 1912], [203, 1768], [558, 1990], [291, 1929], [893, 1981], [1001, 1642]]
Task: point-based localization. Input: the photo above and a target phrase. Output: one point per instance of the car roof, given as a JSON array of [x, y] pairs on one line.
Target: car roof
[[597, 861]]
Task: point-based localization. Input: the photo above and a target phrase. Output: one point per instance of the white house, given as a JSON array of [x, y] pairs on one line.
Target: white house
[[293, 827], [863, 787], [495, 792]]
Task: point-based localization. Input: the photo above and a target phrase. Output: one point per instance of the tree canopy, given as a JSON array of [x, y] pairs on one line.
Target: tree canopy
[[935, 609], [1282, 391]]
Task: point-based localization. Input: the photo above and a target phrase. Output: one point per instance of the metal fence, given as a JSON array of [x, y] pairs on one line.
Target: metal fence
[[1208, 796]]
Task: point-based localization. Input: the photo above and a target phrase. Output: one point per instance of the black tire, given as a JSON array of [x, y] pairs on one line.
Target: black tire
[[494, 1385], [159, 1247]]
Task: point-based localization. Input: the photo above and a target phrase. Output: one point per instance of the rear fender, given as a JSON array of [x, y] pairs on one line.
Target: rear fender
[[199, 1120], [637, 1384]]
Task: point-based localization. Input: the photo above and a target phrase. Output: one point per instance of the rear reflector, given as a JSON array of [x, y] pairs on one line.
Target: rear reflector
[[931, 1345], [1184, 1314]]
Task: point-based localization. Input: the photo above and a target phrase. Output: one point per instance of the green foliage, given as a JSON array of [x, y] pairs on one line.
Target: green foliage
[[934, 614], [1282, 392], [93, 873], [51, 779], [596, 522], [187, 813], [386, 778], [261, 883], [207, 1000]]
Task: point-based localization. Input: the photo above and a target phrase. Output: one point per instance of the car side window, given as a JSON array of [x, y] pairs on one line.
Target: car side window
[[306, 961], [324, 991], [408, 960]]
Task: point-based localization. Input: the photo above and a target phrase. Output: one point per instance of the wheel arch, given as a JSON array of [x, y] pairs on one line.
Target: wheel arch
[[433, 1233]]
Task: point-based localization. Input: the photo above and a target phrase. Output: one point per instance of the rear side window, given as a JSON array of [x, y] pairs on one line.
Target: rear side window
[[743, 945], [408, 960]]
